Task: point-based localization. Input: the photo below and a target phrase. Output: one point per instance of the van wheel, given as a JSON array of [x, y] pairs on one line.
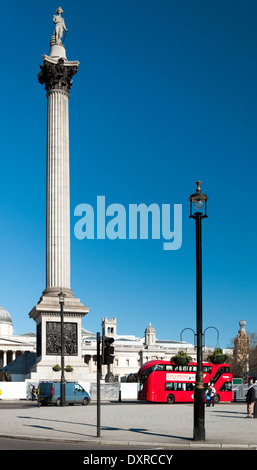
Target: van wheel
[[170, 399], [85, 401], [58, 402]]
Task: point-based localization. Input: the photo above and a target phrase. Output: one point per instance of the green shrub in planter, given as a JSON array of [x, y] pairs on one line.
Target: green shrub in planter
[[56, 368], [217, 357], [68, 369], [181, 358]]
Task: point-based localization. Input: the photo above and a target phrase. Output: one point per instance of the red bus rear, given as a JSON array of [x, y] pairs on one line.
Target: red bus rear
[[165, 382]]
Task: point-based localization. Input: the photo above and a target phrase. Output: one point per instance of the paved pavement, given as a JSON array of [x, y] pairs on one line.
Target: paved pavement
[[133, 423]]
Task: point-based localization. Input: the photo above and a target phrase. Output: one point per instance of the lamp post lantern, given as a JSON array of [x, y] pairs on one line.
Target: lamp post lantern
[[62, 296], [198, 211]]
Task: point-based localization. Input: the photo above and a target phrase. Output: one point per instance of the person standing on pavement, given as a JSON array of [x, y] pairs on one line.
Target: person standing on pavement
[[213, 392], [208, 396], [250, 400]]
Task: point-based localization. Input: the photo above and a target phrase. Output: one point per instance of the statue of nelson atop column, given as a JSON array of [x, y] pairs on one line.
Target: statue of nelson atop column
[[59, 26]]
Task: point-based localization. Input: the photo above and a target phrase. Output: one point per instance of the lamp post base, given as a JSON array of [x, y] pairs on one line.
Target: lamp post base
[[199, 434], [199, 429], [63, 398]]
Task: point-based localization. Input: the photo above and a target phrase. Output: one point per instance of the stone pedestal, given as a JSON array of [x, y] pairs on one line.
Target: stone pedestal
[[47, 317]]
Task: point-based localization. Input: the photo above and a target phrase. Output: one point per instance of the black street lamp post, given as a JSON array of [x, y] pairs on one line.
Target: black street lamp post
[[62, 384], [198, 202]]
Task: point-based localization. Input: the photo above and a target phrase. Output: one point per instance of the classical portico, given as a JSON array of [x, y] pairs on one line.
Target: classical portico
[[11, 347]]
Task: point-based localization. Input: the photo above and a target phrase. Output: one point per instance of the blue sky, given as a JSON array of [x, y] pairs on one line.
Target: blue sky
[[165, 95]]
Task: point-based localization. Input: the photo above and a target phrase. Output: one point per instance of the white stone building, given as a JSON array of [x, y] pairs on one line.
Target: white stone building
[[18, 352], [130, 351], [12, 346]]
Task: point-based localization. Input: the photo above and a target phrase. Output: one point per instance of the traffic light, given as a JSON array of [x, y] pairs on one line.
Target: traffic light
[[108, 350]]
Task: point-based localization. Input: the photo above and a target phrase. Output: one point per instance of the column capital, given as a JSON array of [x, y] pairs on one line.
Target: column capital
[[56, 74]]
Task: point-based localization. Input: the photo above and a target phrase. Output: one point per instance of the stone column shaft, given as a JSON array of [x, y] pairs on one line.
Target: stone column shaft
[[56, 74], [58, 195]]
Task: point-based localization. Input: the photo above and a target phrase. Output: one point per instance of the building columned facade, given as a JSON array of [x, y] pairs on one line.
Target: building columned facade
[[11, 346], [18, 353]]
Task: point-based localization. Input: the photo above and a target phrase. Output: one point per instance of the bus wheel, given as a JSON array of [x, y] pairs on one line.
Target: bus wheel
[[58, 402], [170, 399], [217, 399]]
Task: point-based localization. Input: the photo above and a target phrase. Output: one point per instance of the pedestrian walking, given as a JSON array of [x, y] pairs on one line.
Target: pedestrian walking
[[33, 393], [250, 400], [213, 393], [208, 396]]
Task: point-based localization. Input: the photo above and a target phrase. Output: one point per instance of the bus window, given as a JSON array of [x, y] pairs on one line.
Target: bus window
[[169, 386], [181, 368], [179, 386], [226, 387], [190, 387], [145, 375], [172, 386]]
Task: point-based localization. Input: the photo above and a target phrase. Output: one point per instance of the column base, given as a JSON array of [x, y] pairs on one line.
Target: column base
[[55, 291]]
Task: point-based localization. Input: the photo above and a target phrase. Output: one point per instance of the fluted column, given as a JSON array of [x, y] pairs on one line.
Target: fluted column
[[4, 358], [57, 75], [58, 197]]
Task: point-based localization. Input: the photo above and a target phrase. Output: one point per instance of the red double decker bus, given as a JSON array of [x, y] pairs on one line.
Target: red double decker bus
[[163, 381]]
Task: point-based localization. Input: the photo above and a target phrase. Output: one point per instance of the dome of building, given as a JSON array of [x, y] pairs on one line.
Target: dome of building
[[5, 316], [6, 327], [150, 329], [242, 324], [150, 335]]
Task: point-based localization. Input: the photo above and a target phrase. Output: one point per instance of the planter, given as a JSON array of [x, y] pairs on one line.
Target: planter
[[181, 359], [217, 357], [57, 368]]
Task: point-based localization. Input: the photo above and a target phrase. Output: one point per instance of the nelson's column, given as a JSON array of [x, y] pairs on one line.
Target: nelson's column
[[56, 74]]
